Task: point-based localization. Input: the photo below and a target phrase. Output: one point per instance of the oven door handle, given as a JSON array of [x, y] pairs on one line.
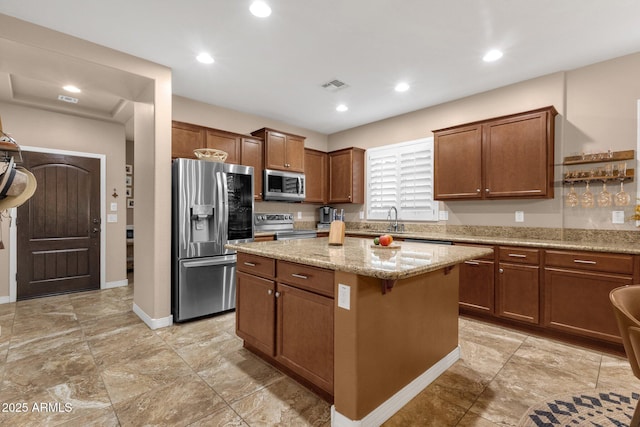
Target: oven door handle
[[204, 262]]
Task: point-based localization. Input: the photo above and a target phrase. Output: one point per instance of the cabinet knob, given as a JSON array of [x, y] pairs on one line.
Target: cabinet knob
[[270, 292], [501, 270], [486, 190], [277, 294], [477, 190]]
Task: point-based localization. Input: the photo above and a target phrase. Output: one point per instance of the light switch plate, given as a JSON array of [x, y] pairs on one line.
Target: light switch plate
[[617, 217], [519, 216], [112, 218], [114, 206], [344, 296]]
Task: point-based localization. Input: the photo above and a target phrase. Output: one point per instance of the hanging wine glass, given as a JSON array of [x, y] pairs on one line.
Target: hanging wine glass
[[572, 198], [587, 199], [621, 198], [604, 197]]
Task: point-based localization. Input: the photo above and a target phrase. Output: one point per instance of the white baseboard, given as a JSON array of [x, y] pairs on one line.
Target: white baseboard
[[383, 412], [5, 300], [152, 323], [116, 284]]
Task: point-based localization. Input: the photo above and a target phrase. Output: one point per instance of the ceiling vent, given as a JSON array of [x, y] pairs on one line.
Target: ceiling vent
[[67, 98], [334, 85]]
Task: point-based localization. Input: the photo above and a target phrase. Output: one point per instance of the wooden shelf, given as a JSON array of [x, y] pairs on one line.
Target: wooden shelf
[[628, 177], [599, 157]]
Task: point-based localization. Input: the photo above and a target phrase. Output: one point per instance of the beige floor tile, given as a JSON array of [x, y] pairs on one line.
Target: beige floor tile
[[615, 372], [283, 403], [239, 373], [133, 377], [59, 341], [200, 355], [226, 417], [111, 324], [126, 344], [427, 409], [182, 334], [178, 403], [473, 420]]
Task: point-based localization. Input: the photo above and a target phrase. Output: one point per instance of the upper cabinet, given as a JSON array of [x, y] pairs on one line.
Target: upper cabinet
[[185, 138], [346, 176], [315, 171], [251, 154], [283, 151], [504, 157], [227, 142]]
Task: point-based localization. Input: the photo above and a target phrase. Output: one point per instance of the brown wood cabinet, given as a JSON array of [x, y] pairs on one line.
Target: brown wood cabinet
[[252, 154], [577, 287], [505, 157], [315, 171], [284, 310], [518, 284], [185, 138], [346, 176], [225, 141], [477, 278], [283, 151]]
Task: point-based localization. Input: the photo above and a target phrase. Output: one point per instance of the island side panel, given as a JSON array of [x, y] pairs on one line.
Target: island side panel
[[383, 342]]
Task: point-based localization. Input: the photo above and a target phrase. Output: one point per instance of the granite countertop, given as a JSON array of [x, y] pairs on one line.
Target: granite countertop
[[358, 256], [595, 246]]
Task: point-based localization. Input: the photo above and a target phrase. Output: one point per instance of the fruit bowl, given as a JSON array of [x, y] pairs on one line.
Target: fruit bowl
[[211, 154], [391, 246]]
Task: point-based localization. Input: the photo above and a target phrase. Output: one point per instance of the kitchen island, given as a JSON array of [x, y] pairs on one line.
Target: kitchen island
[[369, 326]]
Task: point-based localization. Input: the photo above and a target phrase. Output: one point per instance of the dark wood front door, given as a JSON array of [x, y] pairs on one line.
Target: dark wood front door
[[59, 227]]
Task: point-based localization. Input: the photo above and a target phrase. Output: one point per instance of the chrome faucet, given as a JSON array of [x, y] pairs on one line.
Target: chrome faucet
[[393, 226]]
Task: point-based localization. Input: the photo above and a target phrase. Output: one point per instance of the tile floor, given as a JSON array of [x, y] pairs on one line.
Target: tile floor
[[85, 359]]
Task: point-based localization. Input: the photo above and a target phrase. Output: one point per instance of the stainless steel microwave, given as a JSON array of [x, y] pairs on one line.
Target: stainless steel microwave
[[283, 186]]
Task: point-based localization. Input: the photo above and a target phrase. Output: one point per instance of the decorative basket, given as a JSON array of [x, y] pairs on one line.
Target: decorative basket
[[211, 154]]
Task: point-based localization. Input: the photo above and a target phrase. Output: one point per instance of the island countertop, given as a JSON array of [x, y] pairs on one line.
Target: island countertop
[[359, 256]]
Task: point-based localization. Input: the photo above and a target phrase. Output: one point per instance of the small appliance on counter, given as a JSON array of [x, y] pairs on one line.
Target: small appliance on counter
[[281, 224], [326, 215]]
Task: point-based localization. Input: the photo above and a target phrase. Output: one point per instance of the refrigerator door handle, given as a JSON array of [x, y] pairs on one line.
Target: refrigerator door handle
[[204, 262], [223, 208]]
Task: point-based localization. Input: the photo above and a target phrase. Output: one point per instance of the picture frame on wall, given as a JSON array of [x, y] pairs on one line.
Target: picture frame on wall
[[130, 203], [128, 192], [128, 169], [128, 180]]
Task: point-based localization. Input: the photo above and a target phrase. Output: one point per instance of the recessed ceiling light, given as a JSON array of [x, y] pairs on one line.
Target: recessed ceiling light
[[492, 55], [342, 108], [71, 88], [260, 9], [402, 87], [205, 58]]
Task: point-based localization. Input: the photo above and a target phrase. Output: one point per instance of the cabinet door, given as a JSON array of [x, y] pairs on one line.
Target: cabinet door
[[226, 142], [251, 154], [578, 302], [295, 154], [458, 163], [315, 171], [346, 176], [476, 286], [517, 153], [255, 311], [185, 138], [305, 334], [275, 151], [518, 295]]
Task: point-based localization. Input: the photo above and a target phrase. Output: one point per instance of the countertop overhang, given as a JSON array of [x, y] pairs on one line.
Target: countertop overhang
[[359, 256]]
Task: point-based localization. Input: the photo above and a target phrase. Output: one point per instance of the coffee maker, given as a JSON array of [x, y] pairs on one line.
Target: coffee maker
[[325, 216]]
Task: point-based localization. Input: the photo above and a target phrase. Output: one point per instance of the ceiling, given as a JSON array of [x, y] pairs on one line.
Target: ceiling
[[275, 67]]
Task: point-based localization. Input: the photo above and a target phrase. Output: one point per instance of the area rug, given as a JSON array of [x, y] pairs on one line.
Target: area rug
[[590, 408]]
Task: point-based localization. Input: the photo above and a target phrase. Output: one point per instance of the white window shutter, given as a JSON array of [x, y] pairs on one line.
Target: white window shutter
[[401, 175]]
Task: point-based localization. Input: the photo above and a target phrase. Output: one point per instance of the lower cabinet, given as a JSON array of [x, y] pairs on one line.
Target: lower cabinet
[[286, 313], [518, 284], [577, 287], [477, 284]]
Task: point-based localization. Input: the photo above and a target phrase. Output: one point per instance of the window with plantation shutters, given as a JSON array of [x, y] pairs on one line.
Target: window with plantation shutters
[[401, 175]]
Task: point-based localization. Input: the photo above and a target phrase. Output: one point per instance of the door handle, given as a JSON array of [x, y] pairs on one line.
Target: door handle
[[95, 230]]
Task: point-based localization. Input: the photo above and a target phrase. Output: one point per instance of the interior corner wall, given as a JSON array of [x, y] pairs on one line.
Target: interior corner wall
[[597, 110], [40, 128]]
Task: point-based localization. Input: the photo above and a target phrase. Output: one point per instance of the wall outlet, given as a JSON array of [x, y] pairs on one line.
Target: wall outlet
[[443, 215], [112, 218], [617, 217], [299, 215], [519, 216], [361, 214], [344, 296]]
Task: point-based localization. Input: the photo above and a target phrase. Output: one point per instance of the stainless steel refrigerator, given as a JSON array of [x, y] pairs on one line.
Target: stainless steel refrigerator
[[212, 204]]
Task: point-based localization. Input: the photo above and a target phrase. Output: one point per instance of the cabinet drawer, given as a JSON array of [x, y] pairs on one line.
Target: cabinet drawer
[[598, 261], [519, 255], [306, 277], [255, 264]]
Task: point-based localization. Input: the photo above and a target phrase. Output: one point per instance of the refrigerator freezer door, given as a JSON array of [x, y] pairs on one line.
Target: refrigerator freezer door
[[206, 286]]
